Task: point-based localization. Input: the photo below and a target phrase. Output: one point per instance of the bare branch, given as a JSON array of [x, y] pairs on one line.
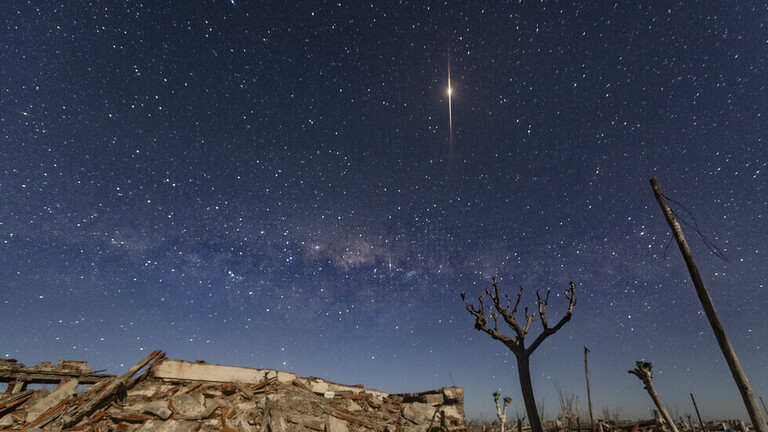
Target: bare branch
[[570, 294], [543, 308], [529, 318], [644, 371], [509, 317], [501, 413], [481, 322], [517, 303]]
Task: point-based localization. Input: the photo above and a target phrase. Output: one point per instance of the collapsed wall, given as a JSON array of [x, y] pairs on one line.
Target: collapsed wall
[[174, 395]]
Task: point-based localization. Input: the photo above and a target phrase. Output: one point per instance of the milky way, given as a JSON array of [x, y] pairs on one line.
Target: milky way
[[276, 186]]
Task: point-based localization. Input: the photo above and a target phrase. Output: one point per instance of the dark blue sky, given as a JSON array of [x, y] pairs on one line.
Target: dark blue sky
[[274, 186]]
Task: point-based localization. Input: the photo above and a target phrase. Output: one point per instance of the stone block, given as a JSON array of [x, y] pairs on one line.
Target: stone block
[[434, 398], [188, 406], [7, 420], [244, 426], [336, 425], [418, 412], [319, 387], [210, 425], [157, 408], [169, 426], [306, 420], [283, 377], [453, 394], [451, 411]]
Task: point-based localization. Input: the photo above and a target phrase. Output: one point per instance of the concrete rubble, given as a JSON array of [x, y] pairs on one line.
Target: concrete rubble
[[659, 425], [180, 396]]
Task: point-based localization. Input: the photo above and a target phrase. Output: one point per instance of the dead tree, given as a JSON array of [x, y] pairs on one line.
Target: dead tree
[[519, 419], [516, 342], [644, 371], [569, 410], [758, 421], [501, 413]]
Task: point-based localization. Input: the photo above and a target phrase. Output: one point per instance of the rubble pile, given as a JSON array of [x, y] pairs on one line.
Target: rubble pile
[[174, 395], [659, 425]]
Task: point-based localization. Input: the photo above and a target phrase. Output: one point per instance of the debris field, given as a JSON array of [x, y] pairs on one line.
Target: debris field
[[163, 395]]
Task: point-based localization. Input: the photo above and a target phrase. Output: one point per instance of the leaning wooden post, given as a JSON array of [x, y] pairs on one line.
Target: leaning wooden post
[[589, 396], [709, 309], [761, 401], [696, 407]]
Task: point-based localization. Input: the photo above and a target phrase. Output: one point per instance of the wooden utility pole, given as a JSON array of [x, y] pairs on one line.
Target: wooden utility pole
[[589, 395], [758, 422], [696, 407]]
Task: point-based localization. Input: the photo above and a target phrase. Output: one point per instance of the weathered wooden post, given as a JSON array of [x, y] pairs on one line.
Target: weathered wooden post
[[696, 407], [589, 395], [761, 401], [758, 422]]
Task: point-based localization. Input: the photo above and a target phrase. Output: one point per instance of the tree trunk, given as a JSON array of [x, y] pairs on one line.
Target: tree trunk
[[709, 310], [524, 372]]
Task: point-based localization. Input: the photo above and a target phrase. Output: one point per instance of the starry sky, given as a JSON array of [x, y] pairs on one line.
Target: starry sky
[[276, 185]]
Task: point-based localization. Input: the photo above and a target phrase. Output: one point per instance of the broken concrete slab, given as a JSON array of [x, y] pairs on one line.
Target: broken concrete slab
[[321, 386], [169, 426], [178, 370], [188, 406], [434, 398], [336, 425], [453, 394], [157, 408], [64, 391], [418, 412]]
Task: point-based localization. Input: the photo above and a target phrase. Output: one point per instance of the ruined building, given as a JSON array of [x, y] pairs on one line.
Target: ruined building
[[174, 395]]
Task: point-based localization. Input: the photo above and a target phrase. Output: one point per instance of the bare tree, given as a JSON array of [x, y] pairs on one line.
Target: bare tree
[[612, 415], [501, 413], [516, 343], [644, 371]]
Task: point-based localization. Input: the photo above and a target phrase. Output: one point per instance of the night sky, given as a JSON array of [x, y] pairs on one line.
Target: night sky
[[276, 185]]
